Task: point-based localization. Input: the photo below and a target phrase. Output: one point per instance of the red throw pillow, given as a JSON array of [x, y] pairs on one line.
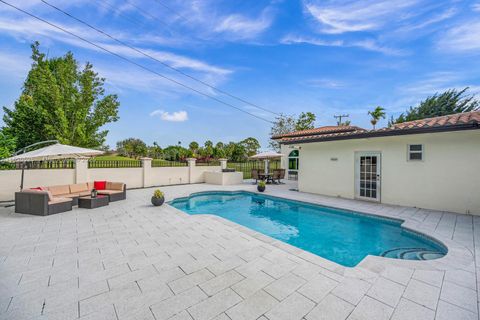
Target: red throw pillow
[[37, 188], [100, 185]]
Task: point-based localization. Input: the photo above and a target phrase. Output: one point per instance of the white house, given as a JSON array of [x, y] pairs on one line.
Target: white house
[[431, 163]]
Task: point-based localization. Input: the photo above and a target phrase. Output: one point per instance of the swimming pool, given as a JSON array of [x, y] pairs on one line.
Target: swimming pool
[[341, 236]]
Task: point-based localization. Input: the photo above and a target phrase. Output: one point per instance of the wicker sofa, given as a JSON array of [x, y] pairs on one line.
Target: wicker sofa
[[37, 202], [55, 199]]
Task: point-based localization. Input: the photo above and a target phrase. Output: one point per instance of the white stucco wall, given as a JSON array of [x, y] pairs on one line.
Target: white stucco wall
[[447, 179], [197, 174], [10, 180], [224, 178], [133, 177]]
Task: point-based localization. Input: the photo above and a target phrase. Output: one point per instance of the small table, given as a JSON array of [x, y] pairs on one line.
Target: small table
[[266, 177], [91, 203]]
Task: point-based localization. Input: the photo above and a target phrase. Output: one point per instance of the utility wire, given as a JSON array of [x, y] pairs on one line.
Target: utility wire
[[146, 13], [133, 62], [172, 10], [106, 5], [159, 61]]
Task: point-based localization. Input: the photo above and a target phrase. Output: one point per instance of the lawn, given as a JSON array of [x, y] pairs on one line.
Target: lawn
[[112, 157]]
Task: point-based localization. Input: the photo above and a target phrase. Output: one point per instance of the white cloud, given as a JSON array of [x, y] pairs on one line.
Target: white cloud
[[325, 83], [437, 82], [31, 28], [354, 16], [462, 37], [242, 27], [447, 14], [14, 64], [216, 21], [176, 116], [367, 44]]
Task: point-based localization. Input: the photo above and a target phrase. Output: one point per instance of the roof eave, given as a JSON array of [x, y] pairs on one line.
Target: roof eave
[[375, 134]]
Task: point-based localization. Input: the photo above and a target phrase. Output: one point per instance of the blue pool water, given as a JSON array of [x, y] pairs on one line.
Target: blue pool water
[[338, 235]]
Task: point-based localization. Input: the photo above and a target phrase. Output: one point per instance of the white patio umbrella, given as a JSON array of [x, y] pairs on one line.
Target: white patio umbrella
[[52, 152], [267, 156]]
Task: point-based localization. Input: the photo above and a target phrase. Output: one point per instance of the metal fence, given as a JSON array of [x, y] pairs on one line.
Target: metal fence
[[208, 163], [168, 163], [247, 167], [48, 164], [114, 163]]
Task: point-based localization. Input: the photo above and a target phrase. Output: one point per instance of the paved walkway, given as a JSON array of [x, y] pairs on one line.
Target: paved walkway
[[133, 261]]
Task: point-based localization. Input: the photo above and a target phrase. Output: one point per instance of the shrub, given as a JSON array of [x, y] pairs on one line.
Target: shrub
[[158, 193]]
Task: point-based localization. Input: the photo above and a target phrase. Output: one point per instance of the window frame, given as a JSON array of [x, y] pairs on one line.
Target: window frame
[[421, 152]]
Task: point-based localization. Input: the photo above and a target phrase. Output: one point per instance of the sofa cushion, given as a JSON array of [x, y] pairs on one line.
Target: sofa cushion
[[50, 195], [59, 200], [109, 191], [78, 187], [100, 185], [90, 186], [76, 194], [114, 186], [58, 190]]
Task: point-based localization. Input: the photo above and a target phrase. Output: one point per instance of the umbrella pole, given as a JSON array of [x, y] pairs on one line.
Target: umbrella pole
[[266, 166], [23, 173]]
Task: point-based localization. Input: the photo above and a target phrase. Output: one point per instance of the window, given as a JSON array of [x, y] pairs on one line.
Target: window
[[293, 165], [415, 152]]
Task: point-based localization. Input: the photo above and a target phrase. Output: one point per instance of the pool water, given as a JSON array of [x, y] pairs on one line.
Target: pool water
[[341, 236]]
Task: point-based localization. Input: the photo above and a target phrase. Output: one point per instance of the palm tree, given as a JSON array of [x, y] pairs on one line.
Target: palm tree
[[377, 114]]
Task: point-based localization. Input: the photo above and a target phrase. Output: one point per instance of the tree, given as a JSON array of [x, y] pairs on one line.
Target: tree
[[132, 148], [7, 145], [251, 146], [449, 102], [377, 114], [60, 101], [283, 124], [193, 146], [207, 151], [155, 151], [176, 153], [305, 121], [238, 152]]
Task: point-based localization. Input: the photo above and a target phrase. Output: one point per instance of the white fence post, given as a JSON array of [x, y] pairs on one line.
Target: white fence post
[[81, 170], [223, 163], [191, 166], [146, 168]]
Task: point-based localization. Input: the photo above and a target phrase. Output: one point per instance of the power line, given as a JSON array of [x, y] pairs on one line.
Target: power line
[[105, 4], [146, 13], [339, 117], [172, 10], [157, 60], [133, 62]]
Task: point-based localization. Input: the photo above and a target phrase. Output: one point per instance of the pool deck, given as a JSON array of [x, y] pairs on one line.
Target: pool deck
[[134, 261]]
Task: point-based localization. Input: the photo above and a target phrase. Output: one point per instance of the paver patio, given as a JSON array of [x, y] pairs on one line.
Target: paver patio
[[134, 261]]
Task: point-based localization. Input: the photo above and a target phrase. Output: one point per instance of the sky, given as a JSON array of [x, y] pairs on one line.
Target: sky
[[324, 56]]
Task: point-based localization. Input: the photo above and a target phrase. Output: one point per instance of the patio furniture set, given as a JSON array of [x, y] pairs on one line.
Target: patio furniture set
[[275, 177], [45, 201]]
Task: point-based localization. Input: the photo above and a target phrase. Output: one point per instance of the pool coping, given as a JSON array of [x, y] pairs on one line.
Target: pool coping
[[456, 253]]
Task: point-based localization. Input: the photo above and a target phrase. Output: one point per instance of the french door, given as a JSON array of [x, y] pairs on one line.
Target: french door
[[367, 175]]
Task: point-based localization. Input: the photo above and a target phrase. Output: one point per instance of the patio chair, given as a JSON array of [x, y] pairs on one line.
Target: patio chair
[[275, 176], [255, 175], [278, 174], [281, 175]]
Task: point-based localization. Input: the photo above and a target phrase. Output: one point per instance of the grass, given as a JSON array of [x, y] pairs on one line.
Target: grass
[[112, 158]]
